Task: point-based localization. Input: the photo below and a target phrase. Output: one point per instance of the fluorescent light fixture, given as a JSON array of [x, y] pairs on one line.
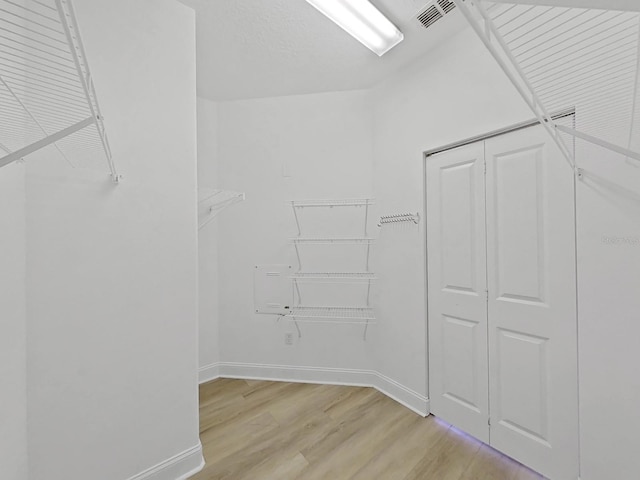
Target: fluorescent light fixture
[[363, 21]]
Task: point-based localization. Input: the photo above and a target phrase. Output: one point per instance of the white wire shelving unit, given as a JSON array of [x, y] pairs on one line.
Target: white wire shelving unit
[[213, 201], [349, 315], [300, 241], [346, 315], [562, 57], [330, 240], [340, 276], [357, 202], [47, 94]]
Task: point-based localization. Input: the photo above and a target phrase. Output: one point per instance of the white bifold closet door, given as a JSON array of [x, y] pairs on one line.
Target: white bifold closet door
[[457, 279], [502, 298]]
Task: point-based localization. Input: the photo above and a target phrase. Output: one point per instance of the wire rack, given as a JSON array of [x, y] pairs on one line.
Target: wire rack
[[358, 202], [399, 218], [349, 315], [330, 240], [47, 95], [351, 276], [560, 57]]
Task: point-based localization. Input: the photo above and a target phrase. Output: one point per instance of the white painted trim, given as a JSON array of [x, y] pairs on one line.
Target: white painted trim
[[208, 373], [295, 374], [179, 467], [327, 376], [403, 395]]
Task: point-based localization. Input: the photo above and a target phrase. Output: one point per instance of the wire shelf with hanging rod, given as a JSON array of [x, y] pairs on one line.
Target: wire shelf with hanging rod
[[47, 93], [563, 56]]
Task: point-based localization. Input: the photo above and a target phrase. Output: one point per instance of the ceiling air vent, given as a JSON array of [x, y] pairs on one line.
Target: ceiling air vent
[[446, 5], [434, 12]]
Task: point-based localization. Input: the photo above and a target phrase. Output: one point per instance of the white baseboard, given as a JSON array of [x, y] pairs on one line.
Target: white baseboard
[[329, 376], [208, 373], [179, 467], [287, 373], [403, 395]]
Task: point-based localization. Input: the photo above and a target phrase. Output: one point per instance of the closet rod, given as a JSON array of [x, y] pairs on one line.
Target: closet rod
[[495, 133]]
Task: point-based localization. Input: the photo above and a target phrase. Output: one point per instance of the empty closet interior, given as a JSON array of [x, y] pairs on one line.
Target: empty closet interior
[[193, 190]]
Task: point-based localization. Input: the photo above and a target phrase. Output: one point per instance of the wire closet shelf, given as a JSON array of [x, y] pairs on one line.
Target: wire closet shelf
[[344, 315], [561, 56], [47, 95]]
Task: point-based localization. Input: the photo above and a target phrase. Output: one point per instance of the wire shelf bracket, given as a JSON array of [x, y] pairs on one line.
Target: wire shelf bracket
[[47, 95], [212, 202], [555, 56]]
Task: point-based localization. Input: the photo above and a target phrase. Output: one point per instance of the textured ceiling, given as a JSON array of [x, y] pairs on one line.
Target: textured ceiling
[[264, 48]]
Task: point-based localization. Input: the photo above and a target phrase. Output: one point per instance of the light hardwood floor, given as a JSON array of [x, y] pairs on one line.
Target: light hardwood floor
[[257, 430]]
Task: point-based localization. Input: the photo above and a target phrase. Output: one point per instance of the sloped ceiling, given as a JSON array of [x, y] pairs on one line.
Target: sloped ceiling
[[629, 5], [264, 48]]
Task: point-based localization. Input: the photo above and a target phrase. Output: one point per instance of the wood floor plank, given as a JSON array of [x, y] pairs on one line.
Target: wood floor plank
[[367, 443], [404, 451], [447, 459], [489, 464], [258, 430]]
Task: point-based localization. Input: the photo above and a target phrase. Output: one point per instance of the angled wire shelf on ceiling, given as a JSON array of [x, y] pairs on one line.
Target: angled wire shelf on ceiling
[[559, 57], [47, 95]]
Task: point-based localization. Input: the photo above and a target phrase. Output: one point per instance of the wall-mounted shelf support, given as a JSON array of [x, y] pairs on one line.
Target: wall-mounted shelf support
[[215, 201], [40, 144], [602, 143]]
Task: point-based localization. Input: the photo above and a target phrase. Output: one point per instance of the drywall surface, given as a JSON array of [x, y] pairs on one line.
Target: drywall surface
[[608, 217], [13, 324], [209, 353], [449, 95], [112, 270], [276, 150]]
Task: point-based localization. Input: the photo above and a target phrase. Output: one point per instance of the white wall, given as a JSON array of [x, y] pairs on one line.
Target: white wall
[[460, 92], [609, 313], [450, 94], [13, 325], [112, 270], [209, 349], [274, 150]]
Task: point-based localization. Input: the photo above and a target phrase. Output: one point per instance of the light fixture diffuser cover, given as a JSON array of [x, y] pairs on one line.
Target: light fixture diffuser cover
[[363, 21]]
